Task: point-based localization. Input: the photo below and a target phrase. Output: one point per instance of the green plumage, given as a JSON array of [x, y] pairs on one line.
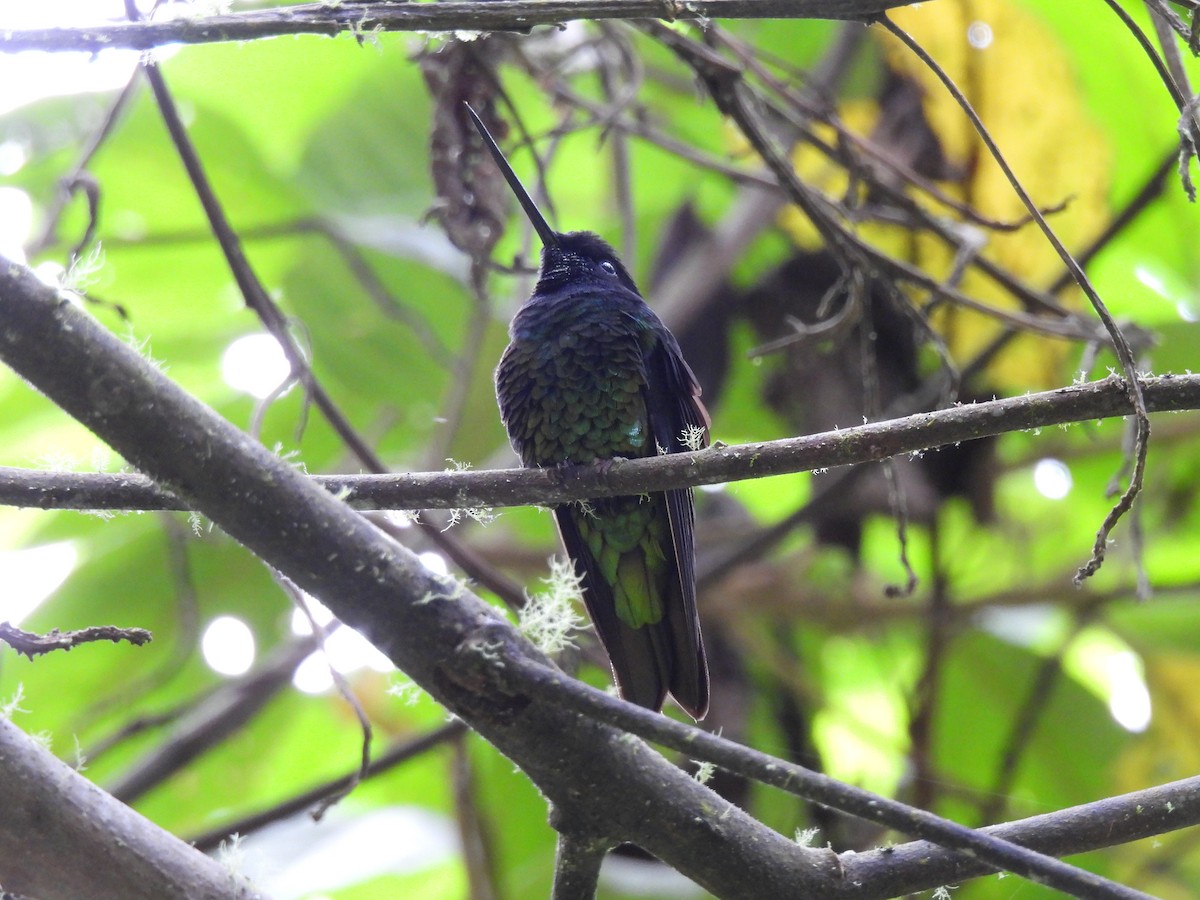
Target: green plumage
[[581, 400], [627, 537]]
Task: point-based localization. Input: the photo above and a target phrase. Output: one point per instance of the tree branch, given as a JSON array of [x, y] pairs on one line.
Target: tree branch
[[432, 627], [523, 487], [33, 644], [1107, 822], [398, 753], [361, 18], [977, 845], [61, 836], [577, 865]]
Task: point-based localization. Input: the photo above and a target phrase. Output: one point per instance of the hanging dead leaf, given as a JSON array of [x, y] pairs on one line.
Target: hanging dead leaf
[[472, 196]]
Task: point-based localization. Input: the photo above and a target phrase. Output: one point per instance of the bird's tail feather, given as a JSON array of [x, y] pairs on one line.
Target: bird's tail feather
[[649, 661]]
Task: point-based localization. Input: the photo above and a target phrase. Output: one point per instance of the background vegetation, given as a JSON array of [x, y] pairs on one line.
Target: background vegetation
[[919, 636]]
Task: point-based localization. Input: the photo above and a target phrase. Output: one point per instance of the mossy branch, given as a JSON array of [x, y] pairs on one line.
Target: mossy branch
[[359, 19], [917, 433]]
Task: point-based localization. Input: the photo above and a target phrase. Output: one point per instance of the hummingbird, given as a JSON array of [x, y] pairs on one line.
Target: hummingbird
[[592, 375]]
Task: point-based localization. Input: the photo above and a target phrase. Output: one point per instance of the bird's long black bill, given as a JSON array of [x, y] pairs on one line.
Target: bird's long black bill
[[548, 235]]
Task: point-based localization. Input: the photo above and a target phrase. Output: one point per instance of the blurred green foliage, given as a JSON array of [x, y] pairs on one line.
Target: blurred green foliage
[[294, 131]]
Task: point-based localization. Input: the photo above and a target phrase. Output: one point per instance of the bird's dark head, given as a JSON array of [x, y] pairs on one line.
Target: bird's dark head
[[581, 257], [574, 258]]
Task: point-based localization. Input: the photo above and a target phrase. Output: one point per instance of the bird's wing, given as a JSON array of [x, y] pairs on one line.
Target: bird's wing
[[674, 410], [515, 384]]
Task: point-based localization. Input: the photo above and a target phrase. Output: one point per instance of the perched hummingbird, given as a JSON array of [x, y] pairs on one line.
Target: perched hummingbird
[[591, 375]]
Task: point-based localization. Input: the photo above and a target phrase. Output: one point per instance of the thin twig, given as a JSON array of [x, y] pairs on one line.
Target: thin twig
[[473, 830], [1150, 190], [884, 170], [897, 496], [830, 493], [726, 84], [635, 125], [400, 752], [31, 644], [133, 727], [466, 364], [1164, 73], [347, 236], [1189, 124], [886, 167], [1166, 24], [58, 205], [620, 92], [525, 675], [1119, 342], [183, 638], [927, 691], [1031, 711], [215, 716], [253, 292], [320, 633]]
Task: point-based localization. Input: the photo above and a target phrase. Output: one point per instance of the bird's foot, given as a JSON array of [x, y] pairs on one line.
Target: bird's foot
[[566, 471], [604, 466]]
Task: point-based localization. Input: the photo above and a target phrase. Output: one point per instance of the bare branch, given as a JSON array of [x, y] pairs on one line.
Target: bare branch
[[527, 676], [113, 851], [524, 487], [1106, 822], [490, 15], [1119, 342], [32, 644], [450, 643], [399, 753]]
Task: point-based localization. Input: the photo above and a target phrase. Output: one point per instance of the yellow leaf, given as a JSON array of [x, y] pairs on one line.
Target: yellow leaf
[[1170, 748], [1018, 78]]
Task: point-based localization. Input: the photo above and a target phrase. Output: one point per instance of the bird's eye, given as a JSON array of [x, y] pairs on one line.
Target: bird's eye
[[608, 268]]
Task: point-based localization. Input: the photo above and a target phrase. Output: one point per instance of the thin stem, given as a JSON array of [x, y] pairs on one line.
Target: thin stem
[[399, 753], [68, 183], [1119, 343]]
